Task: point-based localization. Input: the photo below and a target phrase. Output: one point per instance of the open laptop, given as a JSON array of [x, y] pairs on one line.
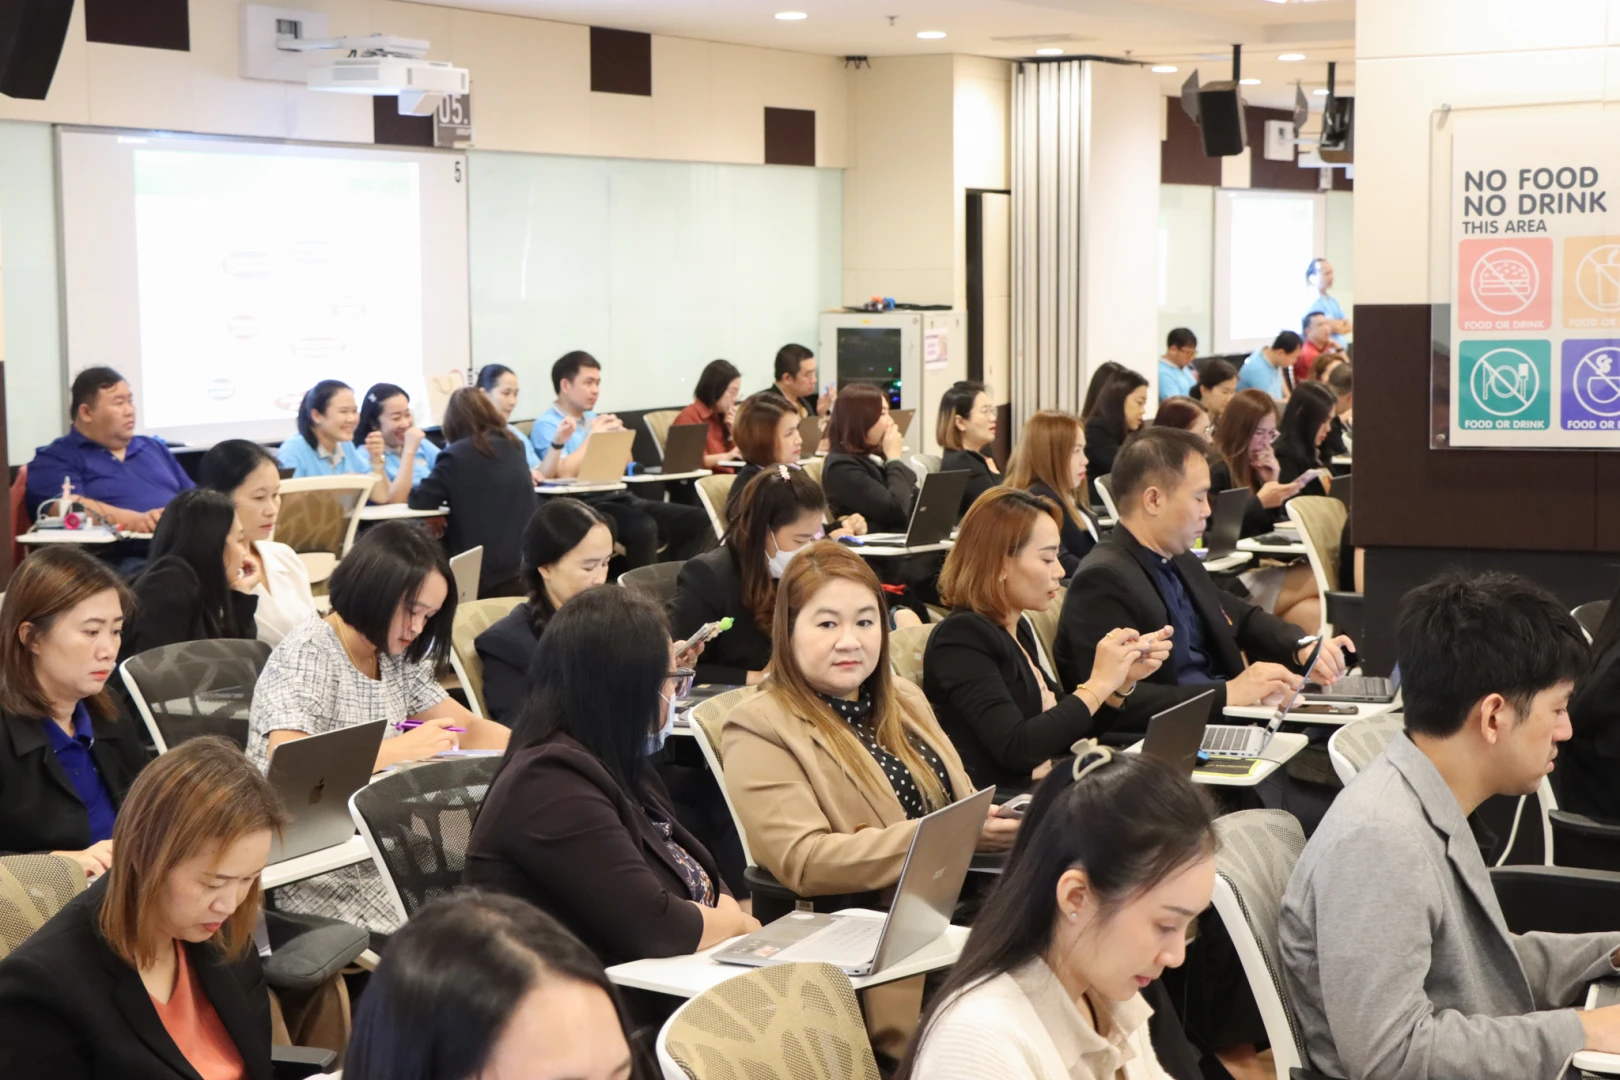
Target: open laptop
[[930, 882], [683, 449], [933, 516], [1250, 740], [902, 419], [606, 455], [1225, 523], [1367, 689], [315, 777], [1175, 735]]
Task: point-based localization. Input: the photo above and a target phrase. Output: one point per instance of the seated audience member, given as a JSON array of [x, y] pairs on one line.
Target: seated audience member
[[864, 473], [373, 658], [795, 375], [1143, 573], [247, 473], [116, 474], [1590, 760], [59, 626], [1217, 382], [1341, 380], [562, 433], [577, 821], [387, 408], [1263, 369], [1325, 363], [967, 427], [1186, 414], [1245, 458], [200, 580], [986, 675], [1177, 376], [1115, 860], [1099, 379], [152, 972], [501, 384], [779, 513], [567, 546], [1117, 414], [482, 476], [1307, 421], [1050, 461], [767, 433], [1392, 944], [483, 985], [1317, 331], [715, 404], [324, 445]]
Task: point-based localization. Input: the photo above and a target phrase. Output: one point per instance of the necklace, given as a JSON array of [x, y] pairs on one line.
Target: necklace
[[343, 640]]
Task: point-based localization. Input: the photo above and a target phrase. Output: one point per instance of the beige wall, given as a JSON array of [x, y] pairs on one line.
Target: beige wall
[[1412, 58], [531, 87]]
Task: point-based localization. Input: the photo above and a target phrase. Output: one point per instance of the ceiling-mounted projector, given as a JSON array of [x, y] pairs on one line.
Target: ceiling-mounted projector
[[383, 66]]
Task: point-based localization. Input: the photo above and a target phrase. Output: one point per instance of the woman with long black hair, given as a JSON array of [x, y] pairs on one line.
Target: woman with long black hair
[[1117, 413], [386, 408]]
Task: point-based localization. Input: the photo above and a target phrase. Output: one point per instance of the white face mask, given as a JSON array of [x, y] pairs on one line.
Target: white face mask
[[655, 741], [778, 563]]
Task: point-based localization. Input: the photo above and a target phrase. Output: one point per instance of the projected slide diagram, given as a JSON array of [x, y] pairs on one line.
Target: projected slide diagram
[[1505, 286], [260, 275], [1505, 385]]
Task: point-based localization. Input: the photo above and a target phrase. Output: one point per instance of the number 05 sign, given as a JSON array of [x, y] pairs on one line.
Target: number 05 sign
[[452, 123]]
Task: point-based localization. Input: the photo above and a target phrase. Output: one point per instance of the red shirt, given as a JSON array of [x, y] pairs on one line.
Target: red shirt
[[718, 441], [1302, 366], [189, 1018]]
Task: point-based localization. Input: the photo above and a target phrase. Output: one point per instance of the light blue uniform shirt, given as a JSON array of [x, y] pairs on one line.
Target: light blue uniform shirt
[[426, 455], [1330, 307], [305, 460], [1258, 374], [1174, 381], [528, 447], [545, 427]]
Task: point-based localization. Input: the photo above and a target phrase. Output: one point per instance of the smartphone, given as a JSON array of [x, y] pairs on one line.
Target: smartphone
[[704, 633], [1014, 807], [1322, 708]]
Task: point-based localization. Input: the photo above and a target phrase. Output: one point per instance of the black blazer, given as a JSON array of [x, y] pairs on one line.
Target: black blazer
[[70, 1009], [490, 500], [1334, 444], [1587, 763], [39, 808], [977, 466], [1102, 445], [882, 494], [1291, 462], [1257, 520], [709, 587], [987, 700], [168, 610], [1116, 586], [1076, 540], [557, 831], [507, 649], [734, 496]]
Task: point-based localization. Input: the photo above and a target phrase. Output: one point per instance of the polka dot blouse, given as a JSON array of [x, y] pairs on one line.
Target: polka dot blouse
[[858, 714]]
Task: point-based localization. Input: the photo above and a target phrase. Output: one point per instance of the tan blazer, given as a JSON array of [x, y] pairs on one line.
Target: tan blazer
[[818, 829]]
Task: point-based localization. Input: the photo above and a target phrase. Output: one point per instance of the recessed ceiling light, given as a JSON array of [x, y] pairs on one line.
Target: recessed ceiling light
[[1164, 69], [1320, 93], [930, 35], [1048, 52], [1248, 82], [791, 16], [1290, 57]]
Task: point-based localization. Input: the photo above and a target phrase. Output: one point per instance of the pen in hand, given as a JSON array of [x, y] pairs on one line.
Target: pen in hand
[[408, 725]]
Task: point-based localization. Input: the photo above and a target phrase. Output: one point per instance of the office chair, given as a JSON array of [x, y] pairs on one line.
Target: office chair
[[656, 582], [1321, 525], [1590, 616], [1556, 899], [1354, 745], [658, 422], [906, 648], [1045, 623], [195, 688], [467, 568], [1105, 492], [471, 620], [1584, 843], [712, 492], [319, 517]]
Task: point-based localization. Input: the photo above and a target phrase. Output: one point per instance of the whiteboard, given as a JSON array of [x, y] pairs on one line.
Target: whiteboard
[[653, 267], [1264, 240]]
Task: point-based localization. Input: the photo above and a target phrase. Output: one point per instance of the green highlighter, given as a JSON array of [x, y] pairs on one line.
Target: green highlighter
[[704, 633]]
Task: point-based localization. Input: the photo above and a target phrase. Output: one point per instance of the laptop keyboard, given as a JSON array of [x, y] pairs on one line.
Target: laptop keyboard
[[1357, 686], [843, 943], [1228, 739]]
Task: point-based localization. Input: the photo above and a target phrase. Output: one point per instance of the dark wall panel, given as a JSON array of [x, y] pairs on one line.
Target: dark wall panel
[[391, 129], [150, 24], [1274, 175], [1181, 154], [621, 62], [790, 136]]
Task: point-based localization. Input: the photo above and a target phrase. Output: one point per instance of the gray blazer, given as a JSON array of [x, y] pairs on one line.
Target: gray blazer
[[1394, 949]]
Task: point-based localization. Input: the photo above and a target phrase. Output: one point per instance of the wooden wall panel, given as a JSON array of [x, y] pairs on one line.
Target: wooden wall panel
[[790, 136], [621, 62], [1181, 154], [149, 24]]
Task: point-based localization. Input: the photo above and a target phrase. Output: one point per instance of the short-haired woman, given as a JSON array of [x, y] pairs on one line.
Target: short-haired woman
[[1117, 413], [152, 971], [479, 984], [992, 686], [1184, 413], [373, 658], [324, 445], [967, 427], [247, 472], [1217, 382], [483, 477], [386, 408], [767, 433], [1050, 461], [59, 629], [715, 404]]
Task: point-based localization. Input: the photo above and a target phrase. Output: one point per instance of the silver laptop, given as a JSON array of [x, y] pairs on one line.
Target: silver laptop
[[606, 455], [933, 515], [1368, 689], [1175, 735], [1250, 740], [315, 777], [683, 448], [929, 884]]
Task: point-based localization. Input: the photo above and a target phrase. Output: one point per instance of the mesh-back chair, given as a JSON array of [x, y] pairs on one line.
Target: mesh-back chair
[[1590, 616], [785, 1022], [1354, 745], [658, 423], [32, 889], [906, 648], [471, 620], [318, 514], [712, 492], [1582, 842], [929, 462], [1258, 850], [466, 568], [1045, 623], [417, 823], [195, 688], [1105, 492], [1321, 526], [656, 581]]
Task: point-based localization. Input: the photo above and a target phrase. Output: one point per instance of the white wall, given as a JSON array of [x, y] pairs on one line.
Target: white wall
[[36, 393]]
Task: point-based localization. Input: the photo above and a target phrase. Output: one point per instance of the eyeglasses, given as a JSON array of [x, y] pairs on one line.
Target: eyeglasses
[[682, 678], [1262, 435], [987, 410]]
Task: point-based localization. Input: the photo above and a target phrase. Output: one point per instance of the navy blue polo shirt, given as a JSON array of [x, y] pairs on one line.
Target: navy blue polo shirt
[[146, 479], [73, 753], [1189, 659]]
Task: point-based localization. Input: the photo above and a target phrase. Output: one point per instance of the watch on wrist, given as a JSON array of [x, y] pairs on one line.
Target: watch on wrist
[[558, 445]]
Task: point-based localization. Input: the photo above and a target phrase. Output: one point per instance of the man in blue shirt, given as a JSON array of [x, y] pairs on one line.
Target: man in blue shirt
[[1319, 274], [1176, 375], [1264, 368], [125, 478], [561, 435]]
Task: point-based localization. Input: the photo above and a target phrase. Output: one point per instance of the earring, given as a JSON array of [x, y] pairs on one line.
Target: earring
[[1074, 914]]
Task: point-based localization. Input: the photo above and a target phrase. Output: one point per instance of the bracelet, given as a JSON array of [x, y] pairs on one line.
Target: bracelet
[[1126, 693], [558, 445], [1092, 694]]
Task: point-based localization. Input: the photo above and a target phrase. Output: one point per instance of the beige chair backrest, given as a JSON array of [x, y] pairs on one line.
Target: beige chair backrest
[[712, 493], [525, 426], [708, 720], [658, 424], [906, 648], [32, 889], [1045, 623], [471, 620], [812, 467], [467, 568], [1321, 525], [318, 513]]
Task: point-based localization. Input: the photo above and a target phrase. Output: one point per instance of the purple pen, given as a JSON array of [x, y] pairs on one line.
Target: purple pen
[[407, 725]]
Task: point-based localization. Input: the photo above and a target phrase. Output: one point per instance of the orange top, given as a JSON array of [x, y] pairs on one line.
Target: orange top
[[195, 1027], [716, 441]]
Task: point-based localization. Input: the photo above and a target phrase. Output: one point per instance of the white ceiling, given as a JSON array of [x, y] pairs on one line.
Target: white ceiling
[[1187, 33]]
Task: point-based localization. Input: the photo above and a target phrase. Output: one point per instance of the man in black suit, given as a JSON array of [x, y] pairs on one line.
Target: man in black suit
[[1143, 574]]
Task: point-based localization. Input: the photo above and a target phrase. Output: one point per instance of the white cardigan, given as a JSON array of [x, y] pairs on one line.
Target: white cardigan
[[1024, 1026], [285, 599]]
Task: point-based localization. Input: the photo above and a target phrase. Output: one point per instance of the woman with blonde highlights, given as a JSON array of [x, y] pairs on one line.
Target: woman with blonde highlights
[[1050, 461]]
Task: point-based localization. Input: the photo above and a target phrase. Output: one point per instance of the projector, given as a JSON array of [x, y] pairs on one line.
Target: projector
[[419, 84]]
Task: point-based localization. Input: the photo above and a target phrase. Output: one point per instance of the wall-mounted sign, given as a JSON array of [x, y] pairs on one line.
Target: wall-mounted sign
[[452, 121]]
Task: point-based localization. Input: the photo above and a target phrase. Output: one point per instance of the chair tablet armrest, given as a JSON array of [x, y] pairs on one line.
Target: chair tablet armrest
[[1556, 899], [299, 1062]]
